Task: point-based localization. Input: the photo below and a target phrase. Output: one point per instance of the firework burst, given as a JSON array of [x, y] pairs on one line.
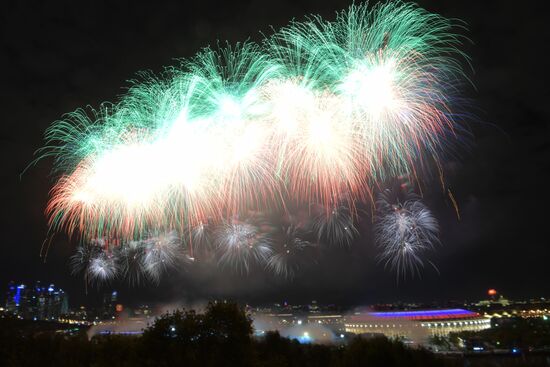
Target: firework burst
[[335, 226], [97, 263], [130, 261], [405, 231], [321, 112], [241, 244], [163, 253], [289, 254]]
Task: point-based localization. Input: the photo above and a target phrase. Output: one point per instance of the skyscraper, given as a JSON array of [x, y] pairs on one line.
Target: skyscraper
[[109, 305], [38, 302]]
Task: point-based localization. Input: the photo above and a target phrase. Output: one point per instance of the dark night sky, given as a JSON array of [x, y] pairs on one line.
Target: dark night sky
[[62, 55]]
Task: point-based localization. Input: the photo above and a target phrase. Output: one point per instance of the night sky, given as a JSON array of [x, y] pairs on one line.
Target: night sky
[[62, 55]]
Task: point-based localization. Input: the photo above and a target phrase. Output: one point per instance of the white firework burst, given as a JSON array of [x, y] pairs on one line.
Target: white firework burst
[[162, 253], [130, 261], [404, 231], [335, 226], [287, 254], [240, 244], [95, 261], [101, 268]]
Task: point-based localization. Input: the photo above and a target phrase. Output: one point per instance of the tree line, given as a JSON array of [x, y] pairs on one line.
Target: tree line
[[220, 336]]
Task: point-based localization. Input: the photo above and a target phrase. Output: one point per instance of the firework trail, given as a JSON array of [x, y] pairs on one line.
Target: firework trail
[[321, 112], [405, 231], [199, 236]]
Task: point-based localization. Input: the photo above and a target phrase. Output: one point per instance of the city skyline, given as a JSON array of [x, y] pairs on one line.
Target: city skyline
[[47, 302]]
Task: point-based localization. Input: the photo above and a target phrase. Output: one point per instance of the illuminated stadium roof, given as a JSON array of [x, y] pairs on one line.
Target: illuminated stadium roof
[[423, 315]]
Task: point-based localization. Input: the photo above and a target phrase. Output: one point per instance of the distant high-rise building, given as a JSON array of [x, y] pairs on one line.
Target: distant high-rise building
[[38, 302], [109, 305], [16, 298]]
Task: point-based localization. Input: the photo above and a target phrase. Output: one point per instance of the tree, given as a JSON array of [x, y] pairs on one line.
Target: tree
[[220, 336]]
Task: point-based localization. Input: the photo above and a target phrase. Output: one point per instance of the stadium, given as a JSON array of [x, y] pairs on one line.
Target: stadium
[[416, 325]]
